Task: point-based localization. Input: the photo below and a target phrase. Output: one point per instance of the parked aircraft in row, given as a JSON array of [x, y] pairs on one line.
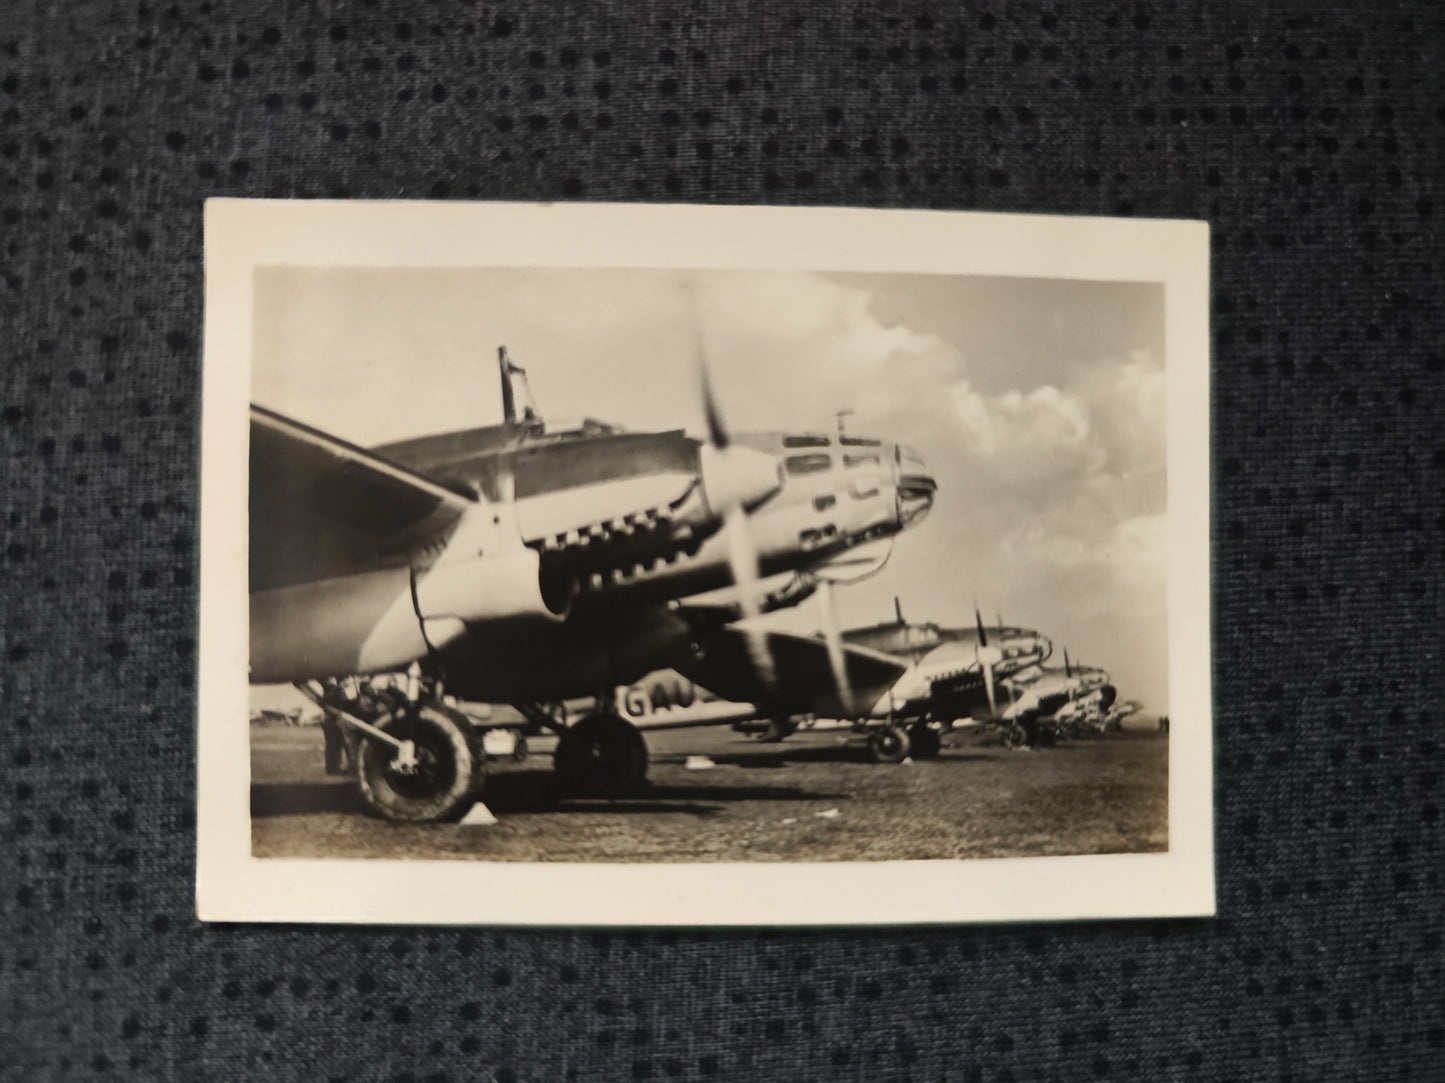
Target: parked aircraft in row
[[515, 564], [913, 682]]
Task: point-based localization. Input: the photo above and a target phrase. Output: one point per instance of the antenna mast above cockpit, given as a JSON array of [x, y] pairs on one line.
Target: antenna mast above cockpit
[[509, 399]]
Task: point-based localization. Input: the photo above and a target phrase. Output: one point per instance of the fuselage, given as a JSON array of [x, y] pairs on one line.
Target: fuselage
[[1044, 691], [946, 678], [627, 517], [943, 678], [833, 493]]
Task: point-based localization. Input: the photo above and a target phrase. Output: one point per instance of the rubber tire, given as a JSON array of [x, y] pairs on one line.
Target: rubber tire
[[603, 755], [1014, 735], [778, 729], [447, 749], [925, 741], [889, 745]]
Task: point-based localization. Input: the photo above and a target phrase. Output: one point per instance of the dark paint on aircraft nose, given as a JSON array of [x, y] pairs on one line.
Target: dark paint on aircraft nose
[[916, 484]]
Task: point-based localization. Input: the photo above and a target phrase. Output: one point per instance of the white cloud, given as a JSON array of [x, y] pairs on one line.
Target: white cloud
[[1051, 492], [792, 349], [1025, 438]]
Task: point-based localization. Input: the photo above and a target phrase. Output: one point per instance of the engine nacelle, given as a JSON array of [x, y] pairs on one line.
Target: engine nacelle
[[384, 619], [502, 587]]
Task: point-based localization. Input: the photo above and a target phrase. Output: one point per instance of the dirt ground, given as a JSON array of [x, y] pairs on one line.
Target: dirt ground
[[814, 797]]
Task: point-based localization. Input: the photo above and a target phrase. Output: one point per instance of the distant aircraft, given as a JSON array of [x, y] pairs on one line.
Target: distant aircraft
[[513, 564], [1091, 715], [1049, 702], [908, 682]]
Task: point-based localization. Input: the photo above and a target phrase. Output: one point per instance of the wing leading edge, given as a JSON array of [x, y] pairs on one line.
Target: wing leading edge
[[322, 508]]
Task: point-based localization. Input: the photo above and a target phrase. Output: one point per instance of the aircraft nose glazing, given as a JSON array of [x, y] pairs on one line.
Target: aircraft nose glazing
[[916, 484]]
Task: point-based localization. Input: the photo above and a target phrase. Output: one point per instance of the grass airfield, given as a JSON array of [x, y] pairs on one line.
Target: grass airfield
[[814, 797]]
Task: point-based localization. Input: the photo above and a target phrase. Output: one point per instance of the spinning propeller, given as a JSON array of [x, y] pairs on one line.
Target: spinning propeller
[[735, 480], [851, 567], [988, 657]]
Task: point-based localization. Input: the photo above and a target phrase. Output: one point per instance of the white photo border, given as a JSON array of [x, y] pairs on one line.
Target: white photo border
[[242, 235]]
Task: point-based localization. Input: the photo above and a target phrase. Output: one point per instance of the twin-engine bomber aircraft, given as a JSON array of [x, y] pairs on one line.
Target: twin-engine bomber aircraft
[[909, 681], [1045, 702], [511, 564]]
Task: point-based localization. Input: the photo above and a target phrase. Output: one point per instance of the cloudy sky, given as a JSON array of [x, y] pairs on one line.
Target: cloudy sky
[[1038, 405]]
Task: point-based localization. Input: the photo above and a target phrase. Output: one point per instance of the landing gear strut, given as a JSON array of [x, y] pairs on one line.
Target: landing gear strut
[[926, 741], [433, 775], [601, 756], [416, 759]]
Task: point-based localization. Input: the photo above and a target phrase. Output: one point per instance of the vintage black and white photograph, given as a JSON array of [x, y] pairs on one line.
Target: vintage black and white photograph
[[652, 565]]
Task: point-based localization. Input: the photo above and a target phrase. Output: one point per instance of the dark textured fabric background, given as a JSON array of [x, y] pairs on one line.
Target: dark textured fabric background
[[1309, 134]]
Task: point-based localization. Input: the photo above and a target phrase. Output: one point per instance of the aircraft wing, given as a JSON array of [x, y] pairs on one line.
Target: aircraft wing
[[722, 606], [803, 677], [323, 508]]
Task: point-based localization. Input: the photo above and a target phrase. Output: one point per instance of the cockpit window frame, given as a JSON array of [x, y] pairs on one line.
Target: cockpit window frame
[[801, 440], [803, 465]]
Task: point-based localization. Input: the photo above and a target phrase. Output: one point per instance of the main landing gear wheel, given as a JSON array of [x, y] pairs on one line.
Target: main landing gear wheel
[[1014, 736], [889, 745], [439, 785], [926, 741], [601, 756]]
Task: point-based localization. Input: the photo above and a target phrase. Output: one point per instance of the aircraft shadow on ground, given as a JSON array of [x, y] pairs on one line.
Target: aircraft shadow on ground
[[783, 756], [522, 792], [536, 791], [302, 798]]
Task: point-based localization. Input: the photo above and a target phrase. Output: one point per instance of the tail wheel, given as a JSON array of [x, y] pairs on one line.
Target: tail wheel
[[927, 742], [889, 745], [601, 756], [440, 785]]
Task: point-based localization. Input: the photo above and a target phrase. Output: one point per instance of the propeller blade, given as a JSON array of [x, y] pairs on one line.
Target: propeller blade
[[986, 656], [989, 689], [833, 636], [733, 480], [717, 432], [1068, 669], [898, 609], [743, 564]]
